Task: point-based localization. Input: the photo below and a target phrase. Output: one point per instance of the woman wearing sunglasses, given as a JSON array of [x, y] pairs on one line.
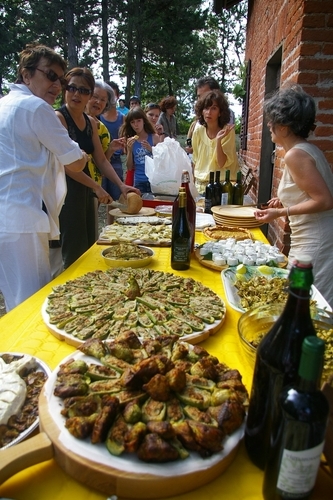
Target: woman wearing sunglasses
[[34, 147], [77, 217]]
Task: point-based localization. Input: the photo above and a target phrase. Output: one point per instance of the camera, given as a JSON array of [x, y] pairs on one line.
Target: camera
[[189, 142]]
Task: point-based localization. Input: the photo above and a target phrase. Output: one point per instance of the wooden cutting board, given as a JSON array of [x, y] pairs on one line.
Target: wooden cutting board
[[116, 212], [109, 479]]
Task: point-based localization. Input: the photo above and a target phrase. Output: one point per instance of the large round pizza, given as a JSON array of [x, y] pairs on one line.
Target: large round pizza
[[103, 304]]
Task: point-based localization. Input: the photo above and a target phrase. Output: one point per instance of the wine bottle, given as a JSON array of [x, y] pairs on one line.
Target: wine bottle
[[217, 188], [298, 440], [191, 207], [181, 236], [209, 195], [277, 360], [227, 190], [238, 190]]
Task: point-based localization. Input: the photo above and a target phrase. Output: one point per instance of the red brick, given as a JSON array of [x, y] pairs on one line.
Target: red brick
[[327, 49], [313, 6], [310, 49], [324, 131], [316, 35], [308, 78], [314, 21], [326, 104], [326, 118], [322, 92], [315, 64]]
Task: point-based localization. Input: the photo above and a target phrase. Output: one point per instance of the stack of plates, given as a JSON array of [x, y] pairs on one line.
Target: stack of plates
[[235, 216]]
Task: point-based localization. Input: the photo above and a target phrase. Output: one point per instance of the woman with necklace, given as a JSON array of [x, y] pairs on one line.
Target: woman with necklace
[[77, 217], [305, 193], [213, 139]]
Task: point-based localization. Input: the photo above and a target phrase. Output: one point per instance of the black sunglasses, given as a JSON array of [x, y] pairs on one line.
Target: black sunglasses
[[53, 77], [80, 90], [153, 106]]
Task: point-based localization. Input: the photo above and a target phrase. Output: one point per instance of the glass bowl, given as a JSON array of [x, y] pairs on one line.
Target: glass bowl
[[256, 322]]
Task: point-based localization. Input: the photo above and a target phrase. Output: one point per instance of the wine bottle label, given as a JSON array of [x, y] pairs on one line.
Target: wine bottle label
[[180, 253], [298, 471], [224, 198], [208, 205]]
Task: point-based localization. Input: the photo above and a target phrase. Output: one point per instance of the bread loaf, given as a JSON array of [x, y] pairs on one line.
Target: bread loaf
[[132, 201]]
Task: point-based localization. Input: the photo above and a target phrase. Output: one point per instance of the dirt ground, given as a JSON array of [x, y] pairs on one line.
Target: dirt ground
[[101, 223]]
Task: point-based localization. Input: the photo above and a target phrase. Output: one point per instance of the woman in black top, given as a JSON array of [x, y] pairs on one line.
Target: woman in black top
[[77, 218]]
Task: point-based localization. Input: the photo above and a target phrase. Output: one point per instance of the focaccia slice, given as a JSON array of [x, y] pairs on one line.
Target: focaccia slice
[[225, 232]]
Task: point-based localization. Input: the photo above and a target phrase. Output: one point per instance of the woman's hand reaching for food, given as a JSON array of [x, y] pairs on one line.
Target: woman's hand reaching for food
[[267, 215], [117, 144], [274, 203]]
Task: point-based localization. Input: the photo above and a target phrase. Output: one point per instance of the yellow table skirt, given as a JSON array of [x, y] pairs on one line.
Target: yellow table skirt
[[23, 330]]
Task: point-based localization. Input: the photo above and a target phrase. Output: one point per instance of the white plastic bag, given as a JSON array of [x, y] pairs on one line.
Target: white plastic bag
[[164, 170]]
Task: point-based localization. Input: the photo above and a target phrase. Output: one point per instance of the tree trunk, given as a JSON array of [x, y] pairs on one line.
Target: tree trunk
[[130, 57], [69, 21], [138, 49], [105, 41]]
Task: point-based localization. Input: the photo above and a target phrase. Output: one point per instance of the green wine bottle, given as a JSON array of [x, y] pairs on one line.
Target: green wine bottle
[[238, 190], [181, 236], [227, 190], [298, 441], [209, 194], [277, 361], [217, 188]]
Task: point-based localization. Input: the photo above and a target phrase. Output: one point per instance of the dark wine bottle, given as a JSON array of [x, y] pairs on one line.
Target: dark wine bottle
[[217, 188], [181, 236], [238, 190], [191, 207], [277, 360], [227, 190], [298, 441], [209, 195]]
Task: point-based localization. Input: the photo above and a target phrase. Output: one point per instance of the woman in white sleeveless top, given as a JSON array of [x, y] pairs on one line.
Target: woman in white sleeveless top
[[305, 193]]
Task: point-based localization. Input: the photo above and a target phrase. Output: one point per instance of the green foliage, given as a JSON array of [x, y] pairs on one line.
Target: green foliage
[[160, 47], [238, 124]]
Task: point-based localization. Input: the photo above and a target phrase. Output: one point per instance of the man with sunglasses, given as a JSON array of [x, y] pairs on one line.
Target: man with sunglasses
[[34, 149]]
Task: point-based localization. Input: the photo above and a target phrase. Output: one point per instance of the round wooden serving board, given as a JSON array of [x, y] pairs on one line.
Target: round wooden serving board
[[208, 263], [94, 466], [116, 212], [211, 265]]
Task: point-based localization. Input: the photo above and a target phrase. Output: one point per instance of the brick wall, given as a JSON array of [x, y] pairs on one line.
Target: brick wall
[[304, 30]]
